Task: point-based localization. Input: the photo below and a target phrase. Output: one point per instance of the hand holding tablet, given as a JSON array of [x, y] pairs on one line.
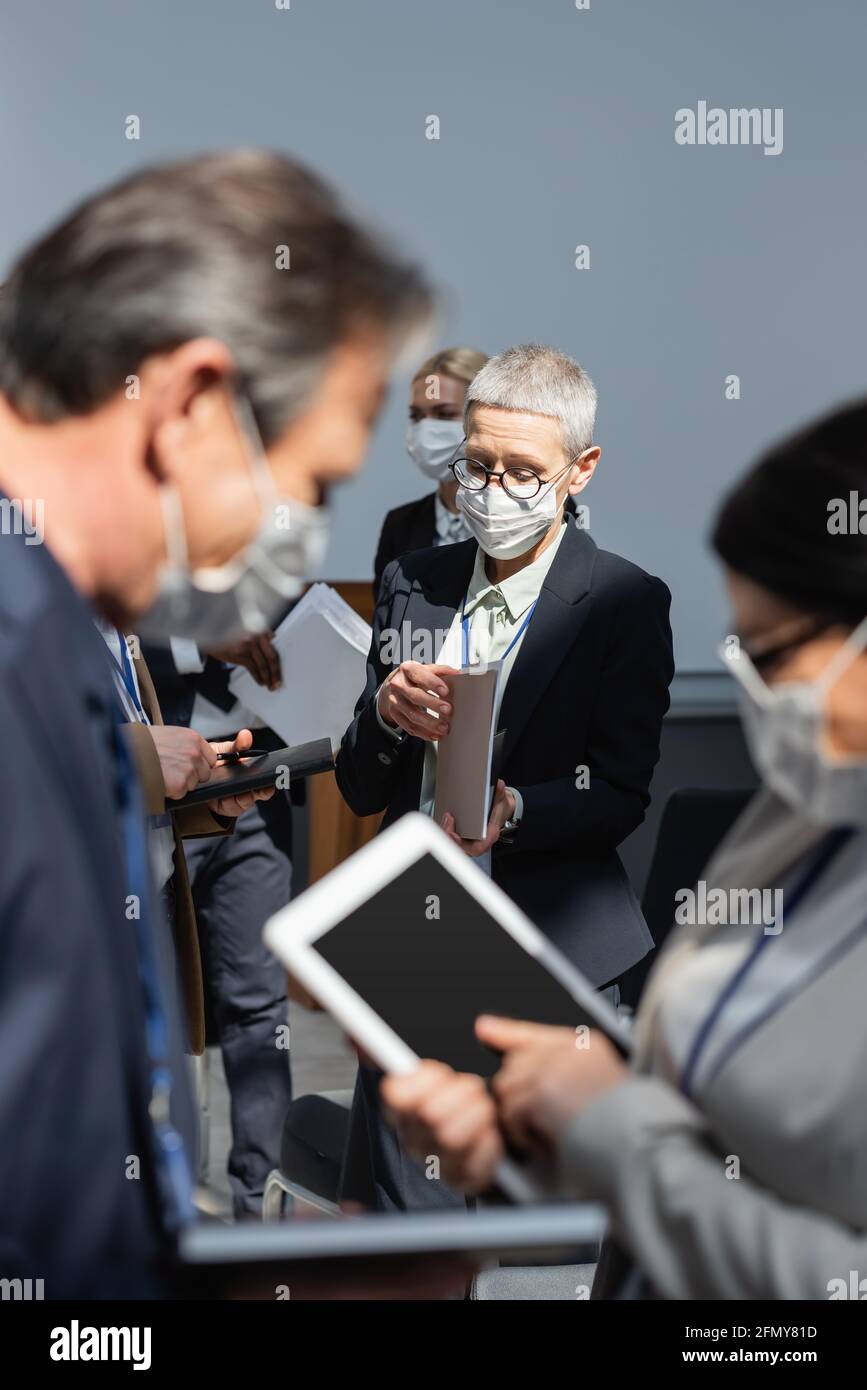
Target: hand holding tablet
[[407, 943]]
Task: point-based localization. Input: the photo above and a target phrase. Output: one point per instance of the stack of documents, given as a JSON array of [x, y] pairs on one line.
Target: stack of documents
[[323, 646]]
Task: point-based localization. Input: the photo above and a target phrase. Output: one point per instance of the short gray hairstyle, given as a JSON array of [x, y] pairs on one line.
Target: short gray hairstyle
[[541, 381]]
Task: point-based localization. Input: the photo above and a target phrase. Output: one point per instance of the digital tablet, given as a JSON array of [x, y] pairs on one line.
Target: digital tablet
[[570, 1229], [408, 941], [251, 774]]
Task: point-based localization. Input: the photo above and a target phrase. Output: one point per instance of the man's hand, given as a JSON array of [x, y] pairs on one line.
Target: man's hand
[[548, 1075], [409, 692], [258, 655], [186, 759], [503, 809], [442, 1112], [234, 806]]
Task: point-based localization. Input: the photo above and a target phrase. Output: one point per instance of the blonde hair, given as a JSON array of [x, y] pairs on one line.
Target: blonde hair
[[462, 363]]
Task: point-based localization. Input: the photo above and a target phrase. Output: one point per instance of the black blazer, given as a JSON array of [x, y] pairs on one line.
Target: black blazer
[[74, 1083], [410, 527], [589, 687]]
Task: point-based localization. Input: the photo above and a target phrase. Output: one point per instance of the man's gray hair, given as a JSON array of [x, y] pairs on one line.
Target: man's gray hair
[[541, 381], [195, 249]]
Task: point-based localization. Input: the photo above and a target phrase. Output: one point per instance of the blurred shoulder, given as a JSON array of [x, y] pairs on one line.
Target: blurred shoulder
[[409, 513]]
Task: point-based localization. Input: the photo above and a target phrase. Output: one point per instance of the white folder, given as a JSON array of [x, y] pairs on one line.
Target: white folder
[[463, 784]]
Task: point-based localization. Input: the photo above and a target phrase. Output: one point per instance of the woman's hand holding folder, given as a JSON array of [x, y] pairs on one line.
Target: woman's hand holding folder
[[415, 698], [502, 810]]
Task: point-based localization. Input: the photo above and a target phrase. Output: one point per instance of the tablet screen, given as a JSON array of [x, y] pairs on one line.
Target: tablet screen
[[429, 958]]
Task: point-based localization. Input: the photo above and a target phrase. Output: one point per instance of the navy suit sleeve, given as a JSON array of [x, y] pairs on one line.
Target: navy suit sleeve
[[369, 763], [623, 736], [67, 1211]]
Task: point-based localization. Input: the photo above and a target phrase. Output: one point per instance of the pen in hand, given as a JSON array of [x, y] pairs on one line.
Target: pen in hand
[[235, 757]]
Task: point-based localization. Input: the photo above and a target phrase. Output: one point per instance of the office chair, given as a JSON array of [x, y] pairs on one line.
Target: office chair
[[315, 1134]]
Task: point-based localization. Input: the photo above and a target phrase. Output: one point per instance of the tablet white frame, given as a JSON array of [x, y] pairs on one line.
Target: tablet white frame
[[289, 934], [570, 1226]]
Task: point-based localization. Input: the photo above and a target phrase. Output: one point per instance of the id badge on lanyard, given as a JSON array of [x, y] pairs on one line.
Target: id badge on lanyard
[[826, 852], [465, 634], [124, 666]]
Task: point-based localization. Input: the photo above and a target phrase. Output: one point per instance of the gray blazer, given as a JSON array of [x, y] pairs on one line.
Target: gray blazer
[[784, 1091]]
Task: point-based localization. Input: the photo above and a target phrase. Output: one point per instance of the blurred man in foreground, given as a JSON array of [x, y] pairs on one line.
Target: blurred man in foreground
[[174, 408]]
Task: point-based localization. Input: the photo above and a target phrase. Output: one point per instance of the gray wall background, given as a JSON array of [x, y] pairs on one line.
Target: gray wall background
[[557, 128]]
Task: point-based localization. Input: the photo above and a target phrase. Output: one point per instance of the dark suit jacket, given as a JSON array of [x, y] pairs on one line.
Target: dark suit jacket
[[74, 1082], [410, 527], [177, 692], [589, 687]]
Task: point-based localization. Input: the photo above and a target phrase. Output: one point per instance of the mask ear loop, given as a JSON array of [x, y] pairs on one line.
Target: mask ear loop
[[175, 538], [855, 643], [174, 525], [269, 497], [254, 448], [744, 673], [174, 528], [534, 501]]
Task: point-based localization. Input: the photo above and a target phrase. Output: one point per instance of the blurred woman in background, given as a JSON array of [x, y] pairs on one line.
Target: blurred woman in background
[[435, 429]]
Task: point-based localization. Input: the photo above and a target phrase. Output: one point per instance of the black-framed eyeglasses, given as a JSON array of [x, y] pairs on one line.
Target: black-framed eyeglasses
[[767, 657], [517, 482]]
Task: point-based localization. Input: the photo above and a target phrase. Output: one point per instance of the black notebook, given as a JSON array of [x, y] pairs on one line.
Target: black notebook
[[251, 774]]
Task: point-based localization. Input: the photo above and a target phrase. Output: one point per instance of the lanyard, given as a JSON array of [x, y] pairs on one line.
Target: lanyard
[[465, 633], [124, 670], [825, 853], [124, 667], [172, 1165]]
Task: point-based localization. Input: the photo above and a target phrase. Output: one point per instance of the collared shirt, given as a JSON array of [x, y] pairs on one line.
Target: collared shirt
[[207, 718], [161, 838], [450, 526], [496, 613]]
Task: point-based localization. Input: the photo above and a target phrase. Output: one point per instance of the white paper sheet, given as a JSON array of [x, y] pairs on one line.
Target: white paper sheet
[[323, 646]]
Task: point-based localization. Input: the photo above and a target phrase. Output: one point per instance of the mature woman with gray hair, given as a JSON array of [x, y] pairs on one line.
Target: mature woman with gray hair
[[584, 643]]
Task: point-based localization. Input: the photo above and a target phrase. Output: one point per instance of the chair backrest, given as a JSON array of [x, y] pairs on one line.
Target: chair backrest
[[693, 823]]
